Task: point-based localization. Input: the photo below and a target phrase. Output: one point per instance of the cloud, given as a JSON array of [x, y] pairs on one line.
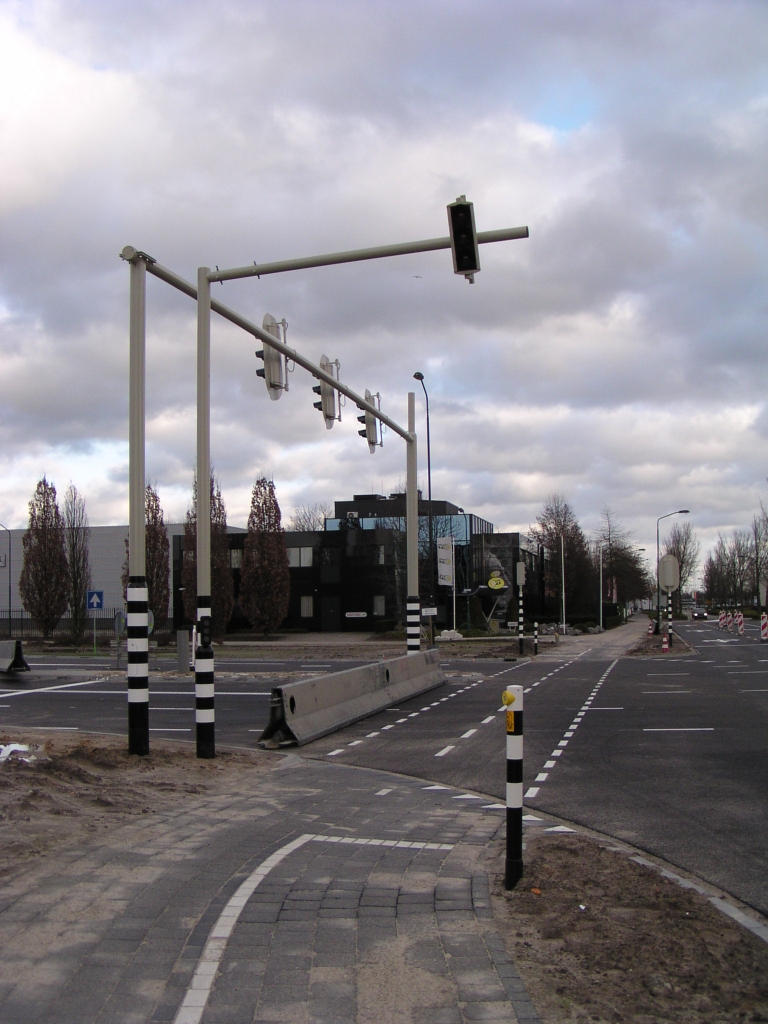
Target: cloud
[[616, 355]]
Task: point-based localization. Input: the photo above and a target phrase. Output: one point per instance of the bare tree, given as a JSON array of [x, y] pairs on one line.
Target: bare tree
[[77, 535], [265, 580], [682, 543], [222, 584], [555, 521], [44, 582], [309, 518], [625, 576]]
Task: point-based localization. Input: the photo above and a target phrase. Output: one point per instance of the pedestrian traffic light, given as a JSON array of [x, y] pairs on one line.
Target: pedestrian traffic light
[[328, 404], [371, 432], [204, 631], [274, 369], [461, 221]]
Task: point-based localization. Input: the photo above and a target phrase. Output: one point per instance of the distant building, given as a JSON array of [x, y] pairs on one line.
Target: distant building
[[350, 575]]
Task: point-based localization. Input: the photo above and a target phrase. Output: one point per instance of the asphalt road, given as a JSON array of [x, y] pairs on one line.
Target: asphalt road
[[667, 753]]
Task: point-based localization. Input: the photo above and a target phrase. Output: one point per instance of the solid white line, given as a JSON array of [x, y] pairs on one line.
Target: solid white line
[[606, 709], [174, 730], [753, 691], [666, 691], [707, 729], [445, 750], [51, 689], [60, 728]]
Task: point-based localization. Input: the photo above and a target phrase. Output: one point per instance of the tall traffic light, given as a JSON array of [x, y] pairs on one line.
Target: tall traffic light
[[328, 404], [274, 369], [371, 432], [461, 221]]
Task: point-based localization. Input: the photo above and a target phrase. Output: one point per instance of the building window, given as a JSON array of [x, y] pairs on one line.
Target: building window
[[308, 606], [378, 554], [299, 558], [236, 557], [379, 605]]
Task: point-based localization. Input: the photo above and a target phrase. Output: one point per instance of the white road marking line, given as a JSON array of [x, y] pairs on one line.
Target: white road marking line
[[542, 777], [531, 817], [556, 753], [354, 743], [494, 807], [569, 734], [385, 727], [171, 730], [559, 828], [435, 787], [702, 729], [427, 708], [333, 753], [490, 718], [51, 689], [370, 735], [658, 675], [550, 764], [383, 792], [75, 728], [531, 792], [466, 796], [445, 750], [610, 709], [753, 691], [401, 720], [467, 734], [563, 743], [666, 691], [414, 714], [528, 689]]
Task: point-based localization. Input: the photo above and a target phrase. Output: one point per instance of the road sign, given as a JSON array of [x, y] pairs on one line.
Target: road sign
[[119, 623], [95, 599], [496, 583], [445, 561], [429, 613], [669, 573]]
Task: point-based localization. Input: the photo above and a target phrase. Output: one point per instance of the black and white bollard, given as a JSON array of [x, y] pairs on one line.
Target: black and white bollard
[[535, 638], [137, 628], [520, 624], [512, 699], [205, 728], [413, 625]]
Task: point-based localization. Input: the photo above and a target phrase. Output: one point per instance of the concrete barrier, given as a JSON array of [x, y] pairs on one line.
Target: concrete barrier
[[310, 708], [12, 657]]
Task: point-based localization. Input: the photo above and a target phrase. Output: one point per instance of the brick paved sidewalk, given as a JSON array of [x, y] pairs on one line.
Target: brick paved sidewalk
[[329, 895]]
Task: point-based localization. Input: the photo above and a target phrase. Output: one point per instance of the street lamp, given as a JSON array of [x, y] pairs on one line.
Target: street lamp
[[9, 579], [420, 378], [679, 512]]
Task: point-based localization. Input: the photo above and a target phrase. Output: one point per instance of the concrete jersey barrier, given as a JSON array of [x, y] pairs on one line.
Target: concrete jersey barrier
[[310, 708], [12, 657]]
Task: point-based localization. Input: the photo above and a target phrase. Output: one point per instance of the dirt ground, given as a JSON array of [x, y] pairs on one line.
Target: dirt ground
[[60, 791], [599, 938]]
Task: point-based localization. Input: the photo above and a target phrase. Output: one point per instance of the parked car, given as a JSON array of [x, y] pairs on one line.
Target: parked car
[[699, 613]]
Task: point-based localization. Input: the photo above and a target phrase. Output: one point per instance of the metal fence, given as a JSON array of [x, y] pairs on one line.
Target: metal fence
[[23, 626]]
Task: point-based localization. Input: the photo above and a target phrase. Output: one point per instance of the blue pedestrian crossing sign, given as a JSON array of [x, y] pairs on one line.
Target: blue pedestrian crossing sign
[[95, 599]]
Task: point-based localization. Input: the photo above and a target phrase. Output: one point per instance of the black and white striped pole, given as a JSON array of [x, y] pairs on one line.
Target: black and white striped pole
[[413, 603], [512, 699], [520, 580], [205, 728], [535, 638], [137, 625]]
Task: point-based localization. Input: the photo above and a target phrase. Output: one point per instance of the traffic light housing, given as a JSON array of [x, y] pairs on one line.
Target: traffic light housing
[[204, 631], [371, 432], [328, 404], [461, 222], [273, 372]]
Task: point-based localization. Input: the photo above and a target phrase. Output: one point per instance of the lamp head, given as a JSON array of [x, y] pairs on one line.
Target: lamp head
[[684, 512], [418, 375]]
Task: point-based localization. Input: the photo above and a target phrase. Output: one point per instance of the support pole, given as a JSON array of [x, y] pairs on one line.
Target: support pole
[[535, 638], [512, 698], [137, 625], [520, 624], [413, 608], [204, 668]]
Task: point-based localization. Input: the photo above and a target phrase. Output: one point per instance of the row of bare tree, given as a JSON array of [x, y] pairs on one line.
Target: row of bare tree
[[56, 572], [737, 566]]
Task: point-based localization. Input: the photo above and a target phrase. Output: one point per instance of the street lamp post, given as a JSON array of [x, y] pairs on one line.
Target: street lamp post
[[562, 567], [420, 378], [679, 512], [9, 579]]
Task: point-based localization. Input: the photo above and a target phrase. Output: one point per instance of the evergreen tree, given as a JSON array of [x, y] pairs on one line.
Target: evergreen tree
[[222, 584], [77, 535], [157, 558], [44, 582], [265, 581]]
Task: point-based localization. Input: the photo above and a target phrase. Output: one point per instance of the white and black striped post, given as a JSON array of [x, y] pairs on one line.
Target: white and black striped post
[[137, 627], [136, 595], [204, 682], [204, 669], [520, 625], [535, 638], [669, 617], [512, 698], [412, 602], [413, 624]]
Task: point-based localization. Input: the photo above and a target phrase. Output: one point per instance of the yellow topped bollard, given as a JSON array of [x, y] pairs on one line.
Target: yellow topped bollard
[[513, 695]]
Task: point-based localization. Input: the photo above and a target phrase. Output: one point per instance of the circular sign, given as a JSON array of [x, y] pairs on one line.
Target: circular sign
[[150, 621], [119, 623], [495, 574], [496, 583]]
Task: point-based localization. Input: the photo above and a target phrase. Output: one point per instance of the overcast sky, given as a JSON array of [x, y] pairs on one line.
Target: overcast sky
[[617, 356]]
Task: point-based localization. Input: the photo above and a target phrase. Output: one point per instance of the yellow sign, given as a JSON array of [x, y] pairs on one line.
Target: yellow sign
[[495, 573], [510, 721], [496, 583]]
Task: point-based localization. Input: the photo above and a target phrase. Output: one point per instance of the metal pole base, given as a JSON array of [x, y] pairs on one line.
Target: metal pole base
[[206, 740], [138, 728], [513, 872]]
